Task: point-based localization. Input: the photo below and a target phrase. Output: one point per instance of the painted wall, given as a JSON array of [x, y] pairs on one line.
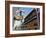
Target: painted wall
[[28, 0]]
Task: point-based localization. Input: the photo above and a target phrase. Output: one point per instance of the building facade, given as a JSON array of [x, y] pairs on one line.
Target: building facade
[[31, 21]]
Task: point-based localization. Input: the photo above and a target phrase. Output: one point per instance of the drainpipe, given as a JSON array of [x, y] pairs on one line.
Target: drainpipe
[[37, 18]]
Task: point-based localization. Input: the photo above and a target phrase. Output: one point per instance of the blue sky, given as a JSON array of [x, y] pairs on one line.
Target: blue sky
[[26, 10]]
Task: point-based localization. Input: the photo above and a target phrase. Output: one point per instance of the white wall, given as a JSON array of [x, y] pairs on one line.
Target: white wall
[[28, 0], [2, 19]]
